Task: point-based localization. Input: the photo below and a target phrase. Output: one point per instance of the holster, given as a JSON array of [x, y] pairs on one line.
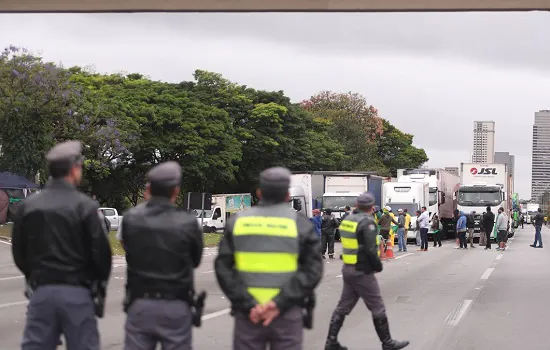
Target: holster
[[99, 292], [197, 307], [309, 305]]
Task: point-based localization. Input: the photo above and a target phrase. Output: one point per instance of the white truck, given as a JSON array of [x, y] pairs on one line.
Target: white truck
[[223, 205], [407, 195], [112, 215], [342, 189], [443, 186], [532, 209], [306, 192], [482, 185]]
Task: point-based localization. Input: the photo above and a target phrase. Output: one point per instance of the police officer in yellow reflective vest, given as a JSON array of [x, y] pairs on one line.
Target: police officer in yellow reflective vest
[[359, 236], [268, 264]]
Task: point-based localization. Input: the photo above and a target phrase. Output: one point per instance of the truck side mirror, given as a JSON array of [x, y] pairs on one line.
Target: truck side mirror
[[297, 204]]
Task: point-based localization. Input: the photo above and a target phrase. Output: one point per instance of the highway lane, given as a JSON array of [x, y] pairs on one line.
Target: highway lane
[[435, 299]]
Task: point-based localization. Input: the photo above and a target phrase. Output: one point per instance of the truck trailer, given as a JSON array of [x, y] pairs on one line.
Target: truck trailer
[[483, 185], [443, 186]]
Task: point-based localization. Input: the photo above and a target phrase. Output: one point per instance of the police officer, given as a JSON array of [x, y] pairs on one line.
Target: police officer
[[361, 261], [60, 246], [163, 245], [268, 263]]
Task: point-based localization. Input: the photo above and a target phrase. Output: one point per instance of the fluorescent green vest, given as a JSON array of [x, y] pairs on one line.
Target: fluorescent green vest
[[266, 251]]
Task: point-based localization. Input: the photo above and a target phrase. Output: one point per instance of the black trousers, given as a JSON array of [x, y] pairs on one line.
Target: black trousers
[[423, 238], [488, 231], [437, 238], [327, 240]]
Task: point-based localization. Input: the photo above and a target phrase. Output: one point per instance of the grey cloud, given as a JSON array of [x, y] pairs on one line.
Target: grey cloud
[[517, 39]]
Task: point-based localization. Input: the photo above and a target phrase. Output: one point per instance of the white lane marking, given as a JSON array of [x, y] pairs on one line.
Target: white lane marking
[[402, 256], [458, 314], [17, 303], [499, 256], [2, 241], [215, 314], [339, 276], [209, 271], [10, 278], [487, 273]]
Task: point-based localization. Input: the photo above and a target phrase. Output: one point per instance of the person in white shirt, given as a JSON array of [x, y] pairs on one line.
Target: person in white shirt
[[424, 221]]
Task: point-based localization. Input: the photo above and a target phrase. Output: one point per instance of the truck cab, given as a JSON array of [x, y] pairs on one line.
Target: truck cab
[[112, 215], [477, 198], [407, 195]]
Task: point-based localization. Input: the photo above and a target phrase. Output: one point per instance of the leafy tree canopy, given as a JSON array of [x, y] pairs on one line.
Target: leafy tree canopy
[[222, 133]]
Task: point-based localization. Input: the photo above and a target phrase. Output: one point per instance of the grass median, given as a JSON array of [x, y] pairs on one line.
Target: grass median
[[210, 239]]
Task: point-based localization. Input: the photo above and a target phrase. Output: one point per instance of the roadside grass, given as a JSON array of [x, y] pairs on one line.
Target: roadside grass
[[210, 239]]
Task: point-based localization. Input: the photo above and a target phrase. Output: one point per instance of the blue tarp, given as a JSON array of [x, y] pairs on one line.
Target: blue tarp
[[8, 180]]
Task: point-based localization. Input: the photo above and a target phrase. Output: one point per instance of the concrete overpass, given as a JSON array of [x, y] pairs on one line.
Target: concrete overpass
[[269, 5]]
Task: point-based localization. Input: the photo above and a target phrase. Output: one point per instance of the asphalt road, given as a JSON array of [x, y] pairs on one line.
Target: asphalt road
[[443, 299]]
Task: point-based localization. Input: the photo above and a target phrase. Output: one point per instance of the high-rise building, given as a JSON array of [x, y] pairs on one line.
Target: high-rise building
[[540, 175], [509, 160], [484, 142], [506, 158]]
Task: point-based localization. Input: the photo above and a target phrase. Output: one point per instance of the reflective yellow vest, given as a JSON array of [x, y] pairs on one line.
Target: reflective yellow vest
[[348, 236], [266, 251]]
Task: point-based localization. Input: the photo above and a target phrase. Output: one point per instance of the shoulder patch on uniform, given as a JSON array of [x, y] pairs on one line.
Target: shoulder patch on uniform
[[371, 227]]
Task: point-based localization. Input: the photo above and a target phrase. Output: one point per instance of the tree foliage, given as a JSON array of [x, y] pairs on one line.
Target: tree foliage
[[222, 133]]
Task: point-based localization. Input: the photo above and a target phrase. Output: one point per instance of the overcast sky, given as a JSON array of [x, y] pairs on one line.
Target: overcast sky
[[430, 74]]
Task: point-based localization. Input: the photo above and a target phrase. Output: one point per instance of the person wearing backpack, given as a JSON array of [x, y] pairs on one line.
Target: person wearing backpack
[[470, 224]]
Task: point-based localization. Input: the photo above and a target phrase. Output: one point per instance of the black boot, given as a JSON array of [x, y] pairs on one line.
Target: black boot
[[383, 330], [336, 323]]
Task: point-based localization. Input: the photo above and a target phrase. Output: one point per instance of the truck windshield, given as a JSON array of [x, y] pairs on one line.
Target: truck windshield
[[411, 207], [339, 203], [479, 198], [205, 213]]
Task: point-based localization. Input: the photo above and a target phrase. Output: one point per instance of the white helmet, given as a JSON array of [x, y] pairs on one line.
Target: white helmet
[[388, 208]]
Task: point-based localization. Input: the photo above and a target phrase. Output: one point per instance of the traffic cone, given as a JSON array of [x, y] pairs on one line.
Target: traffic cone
[[389, 250]]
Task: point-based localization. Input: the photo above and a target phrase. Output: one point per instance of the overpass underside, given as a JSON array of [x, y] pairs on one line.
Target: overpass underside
[[269, 5]]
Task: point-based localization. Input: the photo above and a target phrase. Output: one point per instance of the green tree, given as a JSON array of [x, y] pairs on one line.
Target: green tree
[[35, 106], [396, 149], [354, 124]]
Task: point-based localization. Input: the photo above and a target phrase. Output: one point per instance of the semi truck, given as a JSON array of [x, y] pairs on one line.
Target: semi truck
[[482, 185], [407, 195], [341, 190], [306, 192], [223, 205], [332, 190], [443, 186]]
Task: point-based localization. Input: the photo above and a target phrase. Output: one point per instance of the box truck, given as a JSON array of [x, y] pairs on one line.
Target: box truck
[[223, 205], [341, 190], [407, 195], [443, 186], [306, 192], [482, 185]]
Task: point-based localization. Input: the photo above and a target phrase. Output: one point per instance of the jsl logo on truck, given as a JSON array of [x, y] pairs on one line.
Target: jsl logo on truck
[[483, 171]]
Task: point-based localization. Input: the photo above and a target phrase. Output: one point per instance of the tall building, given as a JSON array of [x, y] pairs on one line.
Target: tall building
[[540, 175], [506, 158], [484, 142], [509, 160]]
